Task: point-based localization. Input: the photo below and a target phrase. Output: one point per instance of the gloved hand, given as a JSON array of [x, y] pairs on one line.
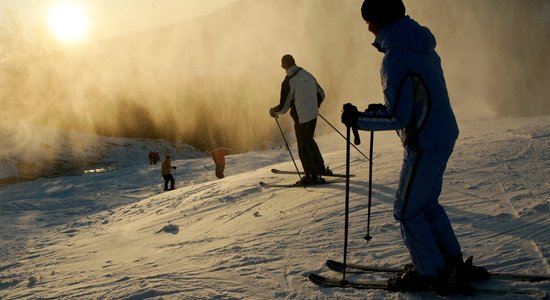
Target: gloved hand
[[376, 107], [272, 113], [173, 167], [350, 114]]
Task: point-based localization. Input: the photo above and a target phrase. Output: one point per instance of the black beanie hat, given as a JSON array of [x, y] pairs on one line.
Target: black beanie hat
[[287, 61], [382, 11]]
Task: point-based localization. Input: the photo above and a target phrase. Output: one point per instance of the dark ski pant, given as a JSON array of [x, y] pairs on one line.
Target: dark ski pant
[[425, 226], [219, 171], [168, 178], [309, 153]]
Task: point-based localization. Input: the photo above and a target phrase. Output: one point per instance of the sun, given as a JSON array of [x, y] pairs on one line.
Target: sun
[[68, 21]]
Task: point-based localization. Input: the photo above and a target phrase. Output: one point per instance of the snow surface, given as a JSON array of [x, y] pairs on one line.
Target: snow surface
[[115, 235]]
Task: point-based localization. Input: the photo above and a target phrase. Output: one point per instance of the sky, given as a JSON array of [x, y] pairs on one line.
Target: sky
[[167, 82], [109, 18]]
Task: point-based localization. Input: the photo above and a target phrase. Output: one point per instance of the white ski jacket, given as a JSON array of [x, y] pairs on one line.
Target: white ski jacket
[[300, 93]]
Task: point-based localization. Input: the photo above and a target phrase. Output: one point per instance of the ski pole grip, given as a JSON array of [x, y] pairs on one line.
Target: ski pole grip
[[356, 138], [349, 117]]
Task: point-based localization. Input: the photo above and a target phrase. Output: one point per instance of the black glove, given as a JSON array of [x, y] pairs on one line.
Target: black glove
[[173, 167], [272, 113], [350, 114], [376, 107]]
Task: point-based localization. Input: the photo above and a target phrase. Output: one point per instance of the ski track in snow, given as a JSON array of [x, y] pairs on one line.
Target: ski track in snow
[[116, 236]]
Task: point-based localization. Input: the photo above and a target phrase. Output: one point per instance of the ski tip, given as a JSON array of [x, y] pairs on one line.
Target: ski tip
[[334, 268], [332, 263], [320, 280], [265, 184], [313, 276], [330, 282]]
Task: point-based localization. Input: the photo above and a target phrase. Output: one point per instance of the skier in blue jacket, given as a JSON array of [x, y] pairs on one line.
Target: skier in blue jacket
[[417, 106]]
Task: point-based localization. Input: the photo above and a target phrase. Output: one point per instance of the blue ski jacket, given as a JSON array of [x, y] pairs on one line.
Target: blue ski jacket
[[415, 94]]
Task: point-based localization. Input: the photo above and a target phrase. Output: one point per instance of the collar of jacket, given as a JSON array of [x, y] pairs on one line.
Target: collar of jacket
[[292, 71]]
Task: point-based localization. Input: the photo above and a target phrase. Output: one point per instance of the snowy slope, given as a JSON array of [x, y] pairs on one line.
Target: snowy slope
[[114, 236]]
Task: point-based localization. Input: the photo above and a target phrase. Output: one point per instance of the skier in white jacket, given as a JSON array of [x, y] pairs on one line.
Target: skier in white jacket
[[302, 94]]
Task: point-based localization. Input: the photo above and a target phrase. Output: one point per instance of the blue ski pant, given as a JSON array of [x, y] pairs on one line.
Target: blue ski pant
[[425, 226]]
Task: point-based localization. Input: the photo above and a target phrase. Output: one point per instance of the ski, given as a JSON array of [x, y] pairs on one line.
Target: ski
[[330, 282], [337, 282], [292, 185], [277, 171], [359, 268]]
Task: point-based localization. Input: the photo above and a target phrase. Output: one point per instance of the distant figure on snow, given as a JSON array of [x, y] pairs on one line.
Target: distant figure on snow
[[166, 173], [154, 157], [151, 157], [302, 94], [416, 104], [218, 155]]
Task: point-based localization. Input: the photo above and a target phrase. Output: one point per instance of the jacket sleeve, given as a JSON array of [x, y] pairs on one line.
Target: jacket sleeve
[[320, 94], [398, 98], [285, 99]]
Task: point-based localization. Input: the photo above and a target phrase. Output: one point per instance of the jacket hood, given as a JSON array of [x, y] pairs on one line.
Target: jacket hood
[[405, 33]]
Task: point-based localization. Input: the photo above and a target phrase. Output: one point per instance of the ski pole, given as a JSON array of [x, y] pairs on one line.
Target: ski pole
[[154, 183], [288, 148], [174, 176], [348, 129], [368, 237], [357, 141]]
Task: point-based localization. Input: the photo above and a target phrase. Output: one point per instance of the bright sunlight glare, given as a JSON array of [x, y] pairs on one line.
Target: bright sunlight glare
[[68, 21]]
